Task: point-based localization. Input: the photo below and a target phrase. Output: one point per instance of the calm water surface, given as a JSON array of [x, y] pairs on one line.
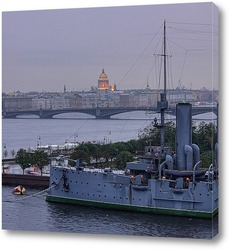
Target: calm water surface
[[24, 133], [34, 213]]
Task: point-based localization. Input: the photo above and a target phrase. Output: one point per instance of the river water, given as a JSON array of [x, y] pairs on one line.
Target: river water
[[33, 213], [27, 133]]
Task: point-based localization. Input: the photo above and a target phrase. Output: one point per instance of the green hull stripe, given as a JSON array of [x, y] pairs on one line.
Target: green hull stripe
[[154, 210]]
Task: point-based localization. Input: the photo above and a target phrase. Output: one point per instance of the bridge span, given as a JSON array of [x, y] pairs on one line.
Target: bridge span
[[101, 113]]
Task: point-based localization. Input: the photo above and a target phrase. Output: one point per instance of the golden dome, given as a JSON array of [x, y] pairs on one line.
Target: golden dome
[[103, 82], [103, 75]]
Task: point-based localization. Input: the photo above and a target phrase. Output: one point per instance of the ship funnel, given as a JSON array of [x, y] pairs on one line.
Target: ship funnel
[[183, 133]]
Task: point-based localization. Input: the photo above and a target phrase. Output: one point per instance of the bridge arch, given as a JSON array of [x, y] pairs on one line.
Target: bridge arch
[[73, 115]]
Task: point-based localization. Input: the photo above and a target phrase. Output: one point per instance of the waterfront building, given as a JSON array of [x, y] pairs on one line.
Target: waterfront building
[[75, 100], [181, 95], [124, 100], [41, 103], [16, 103], [89, 99]]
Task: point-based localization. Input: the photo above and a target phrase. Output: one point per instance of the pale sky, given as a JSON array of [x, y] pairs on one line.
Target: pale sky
[[43, 50]]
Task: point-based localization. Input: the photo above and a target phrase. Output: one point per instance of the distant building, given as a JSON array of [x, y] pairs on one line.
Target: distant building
[[113, 87], [41, 103], [75, 101], [125, 100], [103, 82], [16, 103], [181, 95]]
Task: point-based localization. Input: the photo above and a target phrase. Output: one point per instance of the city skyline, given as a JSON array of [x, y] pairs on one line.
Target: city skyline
[[49, 49]]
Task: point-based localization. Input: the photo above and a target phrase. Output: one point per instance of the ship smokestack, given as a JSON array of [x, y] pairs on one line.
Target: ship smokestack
[[183, 133]]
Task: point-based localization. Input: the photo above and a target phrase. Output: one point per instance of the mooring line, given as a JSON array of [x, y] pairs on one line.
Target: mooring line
[[32, 195]]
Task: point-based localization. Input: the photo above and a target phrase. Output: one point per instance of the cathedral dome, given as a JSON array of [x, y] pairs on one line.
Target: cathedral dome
[[103, 82], [103, 76]]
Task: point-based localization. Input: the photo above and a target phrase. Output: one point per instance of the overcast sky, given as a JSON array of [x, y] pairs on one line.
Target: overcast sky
[[47, 49]]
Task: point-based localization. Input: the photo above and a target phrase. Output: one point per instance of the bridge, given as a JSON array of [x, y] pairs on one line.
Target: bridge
[[101, 113]]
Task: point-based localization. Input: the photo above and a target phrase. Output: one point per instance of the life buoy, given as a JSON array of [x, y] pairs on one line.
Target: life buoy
[[19, 190]]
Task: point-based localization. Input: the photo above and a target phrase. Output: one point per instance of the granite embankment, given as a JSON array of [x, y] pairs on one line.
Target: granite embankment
[[35, 181]]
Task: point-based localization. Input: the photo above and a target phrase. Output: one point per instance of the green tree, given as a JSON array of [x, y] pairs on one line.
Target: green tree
[[94, 151], [153, 133], [122, 158], [205, 135], [108, 151], [79, 154], [207, 158], [39, 158], [23, 158]]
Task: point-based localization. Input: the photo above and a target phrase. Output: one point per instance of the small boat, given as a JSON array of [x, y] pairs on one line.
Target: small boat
[[19, 190]]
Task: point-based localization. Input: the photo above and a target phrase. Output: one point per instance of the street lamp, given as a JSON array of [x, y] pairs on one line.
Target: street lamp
[[75, 135], [38, 141], [5, 152]]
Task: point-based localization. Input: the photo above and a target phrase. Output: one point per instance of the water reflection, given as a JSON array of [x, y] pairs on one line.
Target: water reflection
[[71, 218]]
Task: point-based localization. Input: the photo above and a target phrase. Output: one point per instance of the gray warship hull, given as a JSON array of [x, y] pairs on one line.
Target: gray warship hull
[[117, 191]]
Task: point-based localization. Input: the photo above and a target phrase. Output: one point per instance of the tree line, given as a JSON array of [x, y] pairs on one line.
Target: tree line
[[116, 155]]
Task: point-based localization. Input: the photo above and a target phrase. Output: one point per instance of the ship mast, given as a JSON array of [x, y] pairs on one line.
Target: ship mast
[[164, 55], [162, 105]]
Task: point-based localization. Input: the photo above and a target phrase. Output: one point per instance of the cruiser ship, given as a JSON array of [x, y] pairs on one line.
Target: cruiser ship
[[160, 181]]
